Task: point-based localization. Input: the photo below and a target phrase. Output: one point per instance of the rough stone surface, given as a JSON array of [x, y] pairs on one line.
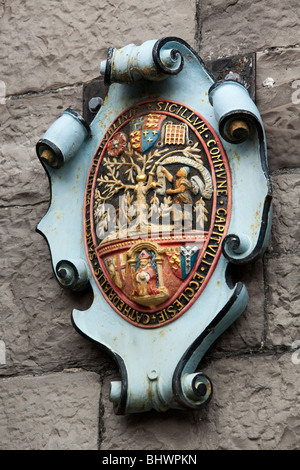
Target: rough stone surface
[[285, 235], [63, 43], [233, 27], [255, 406], [283, 300], [52, 412], [23, 122], [279, 104], [248, 331], [35, 311]]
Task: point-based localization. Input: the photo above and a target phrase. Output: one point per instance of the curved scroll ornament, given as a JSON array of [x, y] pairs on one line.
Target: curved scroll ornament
[[249, 236]]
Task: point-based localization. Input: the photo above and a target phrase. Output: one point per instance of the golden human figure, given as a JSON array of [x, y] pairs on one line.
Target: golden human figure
[[181, 192], [146, 276]]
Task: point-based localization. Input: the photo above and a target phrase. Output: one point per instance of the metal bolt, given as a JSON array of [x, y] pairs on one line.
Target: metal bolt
[[233, 76], [48, 156], [170, 57], [95, 104], [115, 391], [153, 375], [65, 274], [62, 273], [239, 130], [199, 387]]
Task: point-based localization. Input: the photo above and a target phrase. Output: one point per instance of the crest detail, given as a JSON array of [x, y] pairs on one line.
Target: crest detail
[[153, 232], [158, 204]]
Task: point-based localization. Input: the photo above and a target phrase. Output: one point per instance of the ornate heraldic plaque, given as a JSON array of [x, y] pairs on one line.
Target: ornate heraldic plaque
[[157, 198]]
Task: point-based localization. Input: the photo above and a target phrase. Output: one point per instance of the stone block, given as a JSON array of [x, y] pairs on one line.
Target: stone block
[[51, 412], [255, 406], [35, 312], [236, 27], [283, 301], [285, 234], [270, 29], [247, 331], [50, 44], [24, 121]]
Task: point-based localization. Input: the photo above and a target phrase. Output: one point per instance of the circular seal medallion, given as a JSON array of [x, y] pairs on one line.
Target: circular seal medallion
[[157, 207]]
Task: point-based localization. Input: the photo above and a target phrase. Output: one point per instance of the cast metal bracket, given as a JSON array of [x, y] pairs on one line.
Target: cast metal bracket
[[161, 113]]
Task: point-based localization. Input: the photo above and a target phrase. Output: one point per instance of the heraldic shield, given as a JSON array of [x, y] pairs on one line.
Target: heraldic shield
[[163, 191]]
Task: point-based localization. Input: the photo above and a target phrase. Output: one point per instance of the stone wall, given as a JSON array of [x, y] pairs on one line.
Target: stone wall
[[54, 383]]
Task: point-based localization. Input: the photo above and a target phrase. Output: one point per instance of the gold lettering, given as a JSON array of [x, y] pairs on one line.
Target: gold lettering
[[106, 288], [160, 317], [189, 118], [165, 313], [171, 107], [115, 300], [101, 275], [184, 296], [206, 262], [222, 209], [220, 219], [171, 311], [221, 228], [178, 304], [208, 143], [214, 151], [218, 240], [98, 271], [120, 305], [131, 315], [197, 121], [220, 167], [221, 184], [216, 158], [111, 296], [127, 310], [191, 290], [179, 110], [199, 277], [202, 127], [89, 239], [195, 283], [183, 112], [138, 317], [211, 247], [209, 254], [146, 318]]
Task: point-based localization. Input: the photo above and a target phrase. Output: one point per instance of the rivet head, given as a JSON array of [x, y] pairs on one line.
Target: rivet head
[[239, 130], [153, 375], [95, 104]]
